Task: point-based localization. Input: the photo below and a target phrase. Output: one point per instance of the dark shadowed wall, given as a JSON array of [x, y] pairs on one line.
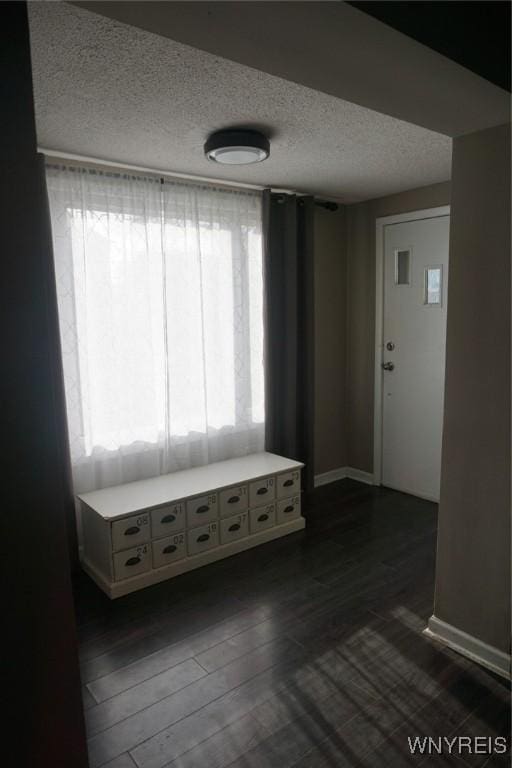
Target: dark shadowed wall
[[40, 681], [330, 340], [473, 554]]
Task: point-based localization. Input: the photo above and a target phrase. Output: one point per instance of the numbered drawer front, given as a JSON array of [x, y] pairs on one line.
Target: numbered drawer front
[[130, 531], [202, 510], [166, 520], [233, 528], [288, 484], [288, 509], [131, 562], [262, 491], [203, 538], [168, 550], [262, 518], [233, 500]]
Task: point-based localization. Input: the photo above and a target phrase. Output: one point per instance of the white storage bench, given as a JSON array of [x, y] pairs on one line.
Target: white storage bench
[[143, 532]]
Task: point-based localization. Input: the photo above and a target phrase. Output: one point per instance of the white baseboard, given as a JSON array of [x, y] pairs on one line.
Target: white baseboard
[[341, 473], [331, 476], [360, 476], [468, 645]]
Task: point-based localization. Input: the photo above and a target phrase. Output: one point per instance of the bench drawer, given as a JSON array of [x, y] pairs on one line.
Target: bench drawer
[[288, 484], [262, 518], [166, 520], [233, 528], [288, 509], [262, 491], [168, 550], [130, 531], [203, 538], [235, 499], [131, 562], [202, 510]]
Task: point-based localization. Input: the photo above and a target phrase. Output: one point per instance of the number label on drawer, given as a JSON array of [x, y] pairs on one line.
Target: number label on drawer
[[130, 531], [178, 539], [135, 559], [261, 491]]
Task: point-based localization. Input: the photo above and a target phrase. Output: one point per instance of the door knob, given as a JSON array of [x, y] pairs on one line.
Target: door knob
[[388, 366]]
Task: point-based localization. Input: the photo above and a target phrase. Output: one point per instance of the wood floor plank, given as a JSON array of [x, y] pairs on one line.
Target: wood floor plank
[[244, 642], [194, 612], [491, 715], [224, 747], [172, 627], [168, 744], [140, 696], [134, 730], [168, 653], [289, 743], [123, 761], [273, 698], [88, 699]]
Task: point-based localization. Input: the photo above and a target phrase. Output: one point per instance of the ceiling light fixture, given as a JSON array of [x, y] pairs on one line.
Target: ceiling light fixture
[[237, 147]]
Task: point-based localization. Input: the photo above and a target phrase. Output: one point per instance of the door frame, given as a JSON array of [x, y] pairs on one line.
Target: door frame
[[380, 224]]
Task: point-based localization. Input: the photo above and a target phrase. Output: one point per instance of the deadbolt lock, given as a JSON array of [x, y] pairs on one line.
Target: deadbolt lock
[[390, 346]]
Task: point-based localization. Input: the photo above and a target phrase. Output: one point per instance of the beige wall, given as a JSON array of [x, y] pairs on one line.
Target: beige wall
[[473, 553], [360, 346], [330, 332]]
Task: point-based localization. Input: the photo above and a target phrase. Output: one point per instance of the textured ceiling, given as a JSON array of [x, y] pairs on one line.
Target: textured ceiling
[[333, 48], [111, 91]]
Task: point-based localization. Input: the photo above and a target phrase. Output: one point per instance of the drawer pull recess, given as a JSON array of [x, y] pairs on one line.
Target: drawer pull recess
[[287, 483], [203, 537], [288, 509], [261, 491], [169, 549], [133, 561], [201, 510], [132, 530], [233, 499], [168, 519], [234, 527], [262, 518]]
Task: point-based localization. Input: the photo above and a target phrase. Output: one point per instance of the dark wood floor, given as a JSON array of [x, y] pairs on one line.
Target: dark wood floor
[[305, 652]]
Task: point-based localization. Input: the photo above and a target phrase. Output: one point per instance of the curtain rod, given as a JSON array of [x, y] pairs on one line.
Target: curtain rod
[[54, 153], [156, 171]]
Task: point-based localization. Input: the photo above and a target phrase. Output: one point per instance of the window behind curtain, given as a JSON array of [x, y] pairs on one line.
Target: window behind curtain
[[161, 312]]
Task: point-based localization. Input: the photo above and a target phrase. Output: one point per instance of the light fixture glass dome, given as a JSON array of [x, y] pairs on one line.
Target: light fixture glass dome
[[237, 147]]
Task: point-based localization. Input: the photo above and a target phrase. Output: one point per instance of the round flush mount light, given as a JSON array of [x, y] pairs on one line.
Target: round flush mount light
[[237, 147]]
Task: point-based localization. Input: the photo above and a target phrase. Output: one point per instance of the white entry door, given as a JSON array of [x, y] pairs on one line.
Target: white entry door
[[413, 353]]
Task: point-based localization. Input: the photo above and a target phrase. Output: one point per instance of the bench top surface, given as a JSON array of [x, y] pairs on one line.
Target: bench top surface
[[122, 500]]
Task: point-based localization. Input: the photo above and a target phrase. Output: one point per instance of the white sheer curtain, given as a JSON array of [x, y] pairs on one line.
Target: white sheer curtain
[[160, 296]]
